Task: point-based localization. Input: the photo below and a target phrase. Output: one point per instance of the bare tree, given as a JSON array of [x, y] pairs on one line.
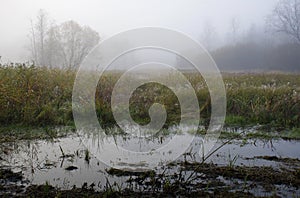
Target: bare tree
[[286, 18], [38, 36], [41, 27], [72, 43], [209, 36], [52, 48], [234, 31], [33, 49], [63, 45]]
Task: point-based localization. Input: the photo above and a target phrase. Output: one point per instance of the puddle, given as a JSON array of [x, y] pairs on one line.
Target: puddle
[[66, 162]]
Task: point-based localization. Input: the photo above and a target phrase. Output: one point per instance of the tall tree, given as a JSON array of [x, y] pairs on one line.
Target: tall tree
[[286, 18], [72, 43], [52, 47], [38, 35], [234, 31], [63, 45], [209, 36]]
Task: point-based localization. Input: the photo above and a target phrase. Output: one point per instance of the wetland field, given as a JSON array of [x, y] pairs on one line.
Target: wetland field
[[42, 154]]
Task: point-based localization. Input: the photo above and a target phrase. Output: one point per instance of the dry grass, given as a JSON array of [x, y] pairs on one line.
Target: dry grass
[[40, 96]]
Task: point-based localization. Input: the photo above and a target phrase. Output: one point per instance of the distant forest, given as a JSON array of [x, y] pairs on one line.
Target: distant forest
[[257, 57], [273, 46]]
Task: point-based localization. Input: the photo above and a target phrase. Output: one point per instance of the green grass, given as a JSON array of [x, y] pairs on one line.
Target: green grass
[[293, 134]]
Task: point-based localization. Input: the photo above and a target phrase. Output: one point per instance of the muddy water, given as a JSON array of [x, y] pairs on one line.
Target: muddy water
[[44, 160]]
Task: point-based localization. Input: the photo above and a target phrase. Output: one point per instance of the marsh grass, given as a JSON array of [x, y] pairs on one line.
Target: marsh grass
[[37, 96]]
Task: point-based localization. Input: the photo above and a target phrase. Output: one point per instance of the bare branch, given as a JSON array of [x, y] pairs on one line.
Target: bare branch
[[285, 18]]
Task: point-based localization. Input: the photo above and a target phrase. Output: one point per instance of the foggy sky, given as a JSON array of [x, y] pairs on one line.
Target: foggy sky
[[109, 17]]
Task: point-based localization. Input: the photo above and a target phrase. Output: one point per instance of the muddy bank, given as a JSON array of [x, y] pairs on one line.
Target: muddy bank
[[191, 180]]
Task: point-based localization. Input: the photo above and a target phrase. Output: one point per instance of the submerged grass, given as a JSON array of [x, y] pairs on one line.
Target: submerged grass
[[36, 96]]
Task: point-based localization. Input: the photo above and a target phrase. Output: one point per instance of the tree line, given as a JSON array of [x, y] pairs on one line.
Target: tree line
[[276, 47]]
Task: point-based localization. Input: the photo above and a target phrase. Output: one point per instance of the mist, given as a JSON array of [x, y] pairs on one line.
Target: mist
[[149, 98], [229, 25]]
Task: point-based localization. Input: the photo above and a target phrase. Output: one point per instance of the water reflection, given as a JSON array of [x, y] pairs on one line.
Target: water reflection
[[44, 160]]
